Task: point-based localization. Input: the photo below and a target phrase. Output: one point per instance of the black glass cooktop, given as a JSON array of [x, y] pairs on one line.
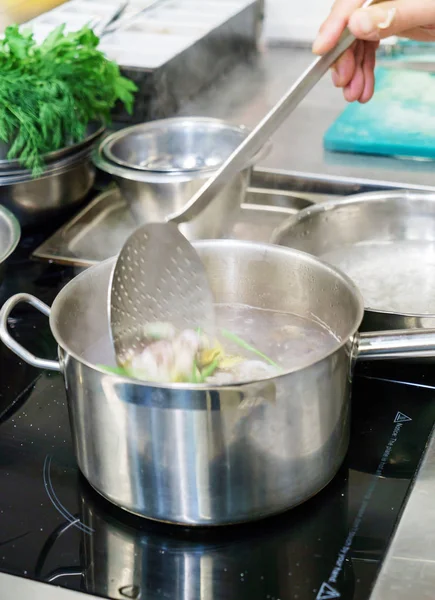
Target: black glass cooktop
[[54, 528]]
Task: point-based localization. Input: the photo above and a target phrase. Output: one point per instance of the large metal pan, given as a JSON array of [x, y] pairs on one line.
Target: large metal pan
[[199, 455], [385, 242]]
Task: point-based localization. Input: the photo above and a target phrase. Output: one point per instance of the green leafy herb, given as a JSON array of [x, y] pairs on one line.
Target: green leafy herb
[[237, 340], [49, 93]]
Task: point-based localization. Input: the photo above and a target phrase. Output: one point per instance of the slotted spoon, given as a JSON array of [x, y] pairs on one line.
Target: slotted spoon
[[158, 278]]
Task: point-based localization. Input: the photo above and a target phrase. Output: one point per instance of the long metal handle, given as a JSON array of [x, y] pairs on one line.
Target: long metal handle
[[413, 343], [264, 130], [8, 340]]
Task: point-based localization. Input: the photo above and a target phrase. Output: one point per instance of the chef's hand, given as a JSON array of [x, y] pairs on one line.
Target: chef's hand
[[354, 70]]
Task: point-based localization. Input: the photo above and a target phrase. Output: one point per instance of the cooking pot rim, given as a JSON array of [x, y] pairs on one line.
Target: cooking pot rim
[[352, 329], [373, 197]]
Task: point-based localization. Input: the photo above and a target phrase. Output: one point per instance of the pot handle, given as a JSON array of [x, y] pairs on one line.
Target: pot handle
[[8, 340], [380, 345]]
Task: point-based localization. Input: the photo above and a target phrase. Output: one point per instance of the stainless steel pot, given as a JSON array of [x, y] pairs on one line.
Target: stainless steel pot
[[399, 226], [62, 187], [213, 456], [154, 195]]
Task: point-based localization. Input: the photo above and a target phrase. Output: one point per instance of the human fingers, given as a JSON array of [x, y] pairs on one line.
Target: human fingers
[[332, 28], [369, 72], [391, 18], [355, 87], [344, 68]]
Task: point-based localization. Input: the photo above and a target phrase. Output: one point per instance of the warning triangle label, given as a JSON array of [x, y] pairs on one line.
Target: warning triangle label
[[327, 592], [401, 418]]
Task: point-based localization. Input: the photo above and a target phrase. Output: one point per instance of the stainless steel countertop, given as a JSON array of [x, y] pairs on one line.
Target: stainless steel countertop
[[248, 92], [244, 96], [409, 567]]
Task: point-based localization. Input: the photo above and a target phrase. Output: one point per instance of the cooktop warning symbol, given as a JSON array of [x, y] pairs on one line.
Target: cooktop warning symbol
[[401, 418], [327, 592]]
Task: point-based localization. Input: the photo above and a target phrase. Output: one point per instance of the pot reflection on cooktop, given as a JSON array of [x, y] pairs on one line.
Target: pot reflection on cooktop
[[55, 528]]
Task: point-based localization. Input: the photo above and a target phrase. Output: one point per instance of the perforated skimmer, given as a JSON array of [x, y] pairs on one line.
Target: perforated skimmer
[[158, 278]]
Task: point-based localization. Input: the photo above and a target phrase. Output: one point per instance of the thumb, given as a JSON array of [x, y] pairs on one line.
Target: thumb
[[391, 18]]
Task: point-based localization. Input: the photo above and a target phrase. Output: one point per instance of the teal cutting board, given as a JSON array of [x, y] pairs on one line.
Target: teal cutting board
[[398, 121]]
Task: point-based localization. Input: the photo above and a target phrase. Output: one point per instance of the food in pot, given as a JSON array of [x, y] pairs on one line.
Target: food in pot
[[190, 356], [50, 92], [168, 355]]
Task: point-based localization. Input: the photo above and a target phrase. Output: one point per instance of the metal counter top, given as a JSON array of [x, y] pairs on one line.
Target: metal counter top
[[409, 567], [245, 95], [249, 91]]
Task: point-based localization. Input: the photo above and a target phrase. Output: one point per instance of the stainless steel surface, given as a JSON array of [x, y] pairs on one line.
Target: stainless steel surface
[[390, 237], [380, 345], [250, 90], [158, 278], [58, 190], [409, 567], [100, 229], [10, 233], [211, 456], [318, 187], [261, 134], [8, 307], [174, 145], [152, 196], [257, 221], [13, 167]]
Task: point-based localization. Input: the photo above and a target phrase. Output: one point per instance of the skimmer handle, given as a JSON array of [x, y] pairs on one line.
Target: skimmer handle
[[264, 130]]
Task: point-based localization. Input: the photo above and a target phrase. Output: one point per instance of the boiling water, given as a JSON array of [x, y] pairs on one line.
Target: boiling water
[[395, 276], [289, 340]]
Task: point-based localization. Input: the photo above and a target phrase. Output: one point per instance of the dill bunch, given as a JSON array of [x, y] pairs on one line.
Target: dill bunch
[[50, 92]]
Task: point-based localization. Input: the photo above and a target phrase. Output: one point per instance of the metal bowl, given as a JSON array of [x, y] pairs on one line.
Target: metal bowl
[[181, 144], [62, 187], [93, 132], [151, 195], [10, 233]]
